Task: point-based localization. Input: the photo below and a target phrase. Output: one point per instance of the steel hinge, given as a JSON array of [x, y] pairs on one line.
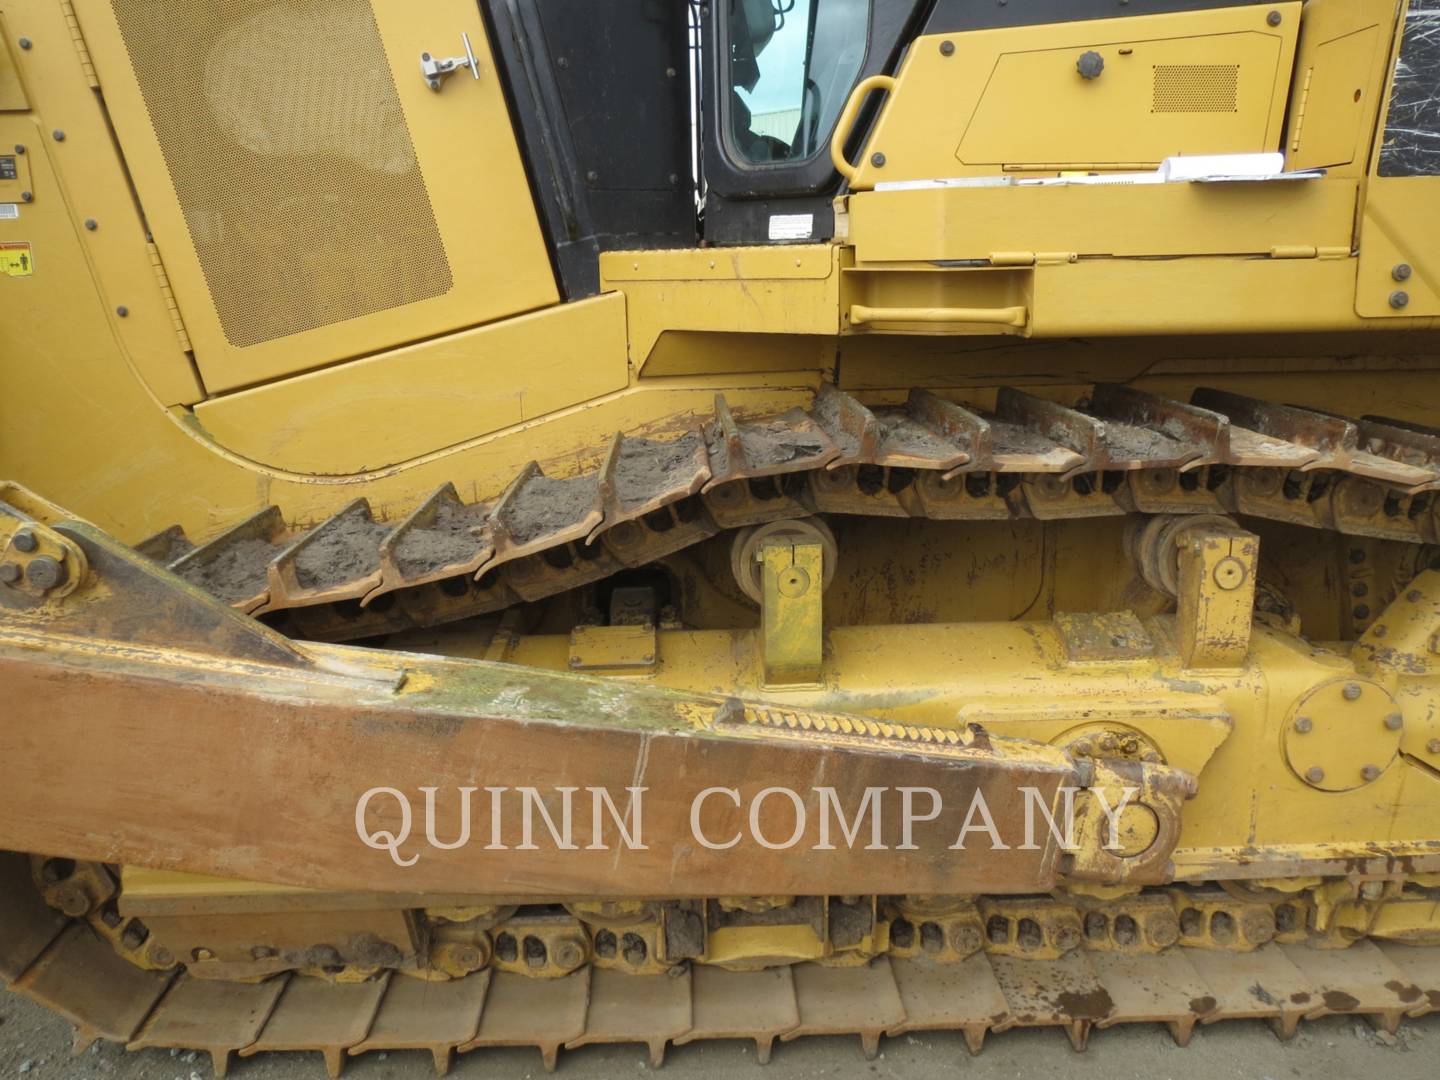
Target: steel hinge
[[163, 279], [1308, 251], [68, 10]]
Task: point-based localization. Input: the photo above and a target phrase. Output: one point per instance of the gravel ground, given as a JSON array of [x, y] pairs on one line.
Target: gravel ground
[[36, 1045]]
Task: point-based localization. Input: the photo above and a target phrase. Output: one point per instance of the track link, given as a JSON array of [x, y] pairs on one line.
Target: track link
[[353, 576], [64, 965]]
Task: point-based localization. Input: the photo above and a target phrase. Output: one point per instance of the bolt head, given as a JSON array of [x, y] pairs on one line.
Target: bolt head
[[1394, 721], [1272, 19], [1370, 772], [27, 196], [877, 159], [1401, 272], [24, 540], [91, 224], [947, 48], [1314, 774], [1399, 299], [122, 311], [45, 572], [1351, 692], [1303, 724], [25, 43], [9, 573], [58, 135]]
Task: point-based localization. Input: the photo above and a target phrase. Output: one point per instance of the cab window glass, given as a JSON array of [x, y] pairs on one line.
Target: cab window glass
[[792, 64]]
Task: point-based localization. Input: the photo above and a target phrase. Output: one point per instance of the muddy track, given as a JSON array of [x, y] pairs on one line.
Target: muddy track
[[352, 576]]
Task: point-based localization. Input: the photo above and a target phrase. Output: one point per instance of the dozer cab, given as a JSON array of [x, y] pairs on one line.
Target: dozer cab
[[542, 523]]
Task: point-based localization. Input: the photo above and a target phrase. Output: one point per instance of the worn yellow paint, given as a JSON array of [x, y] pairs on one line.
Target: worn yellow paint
[[472, 172], [464, 385], [1013, 99], [1216, 580], [791, 577]]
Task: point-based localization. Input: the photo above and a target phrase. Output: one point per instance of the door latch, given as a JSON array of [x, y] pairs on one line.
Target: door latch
[[434, 70]]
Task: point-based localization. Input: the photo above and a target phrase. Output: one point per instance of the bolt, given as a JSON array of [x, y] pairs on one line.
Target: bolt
[[1399, 299], [91, 224], [58, 135], [1359, 589], [592, 177], [202, 954], [1360, 611], [1401, 272], [1357, 555], [1273, 19], [161, 956], [1351, 692], [25, 43], [72, 900], [9, 573], [45, 572], [27, 196], [947, 48], [1230, 573], [568, 954], [1413, 596], [877, 159], [19, 148], [1303, 724], [1314, 774], [24, 540], [122, 311], [1394, 721], [1370, 772]]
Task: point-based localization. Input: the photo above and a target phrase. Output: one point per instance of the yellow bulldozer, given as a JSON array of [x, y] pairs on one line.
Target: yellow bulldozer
[[537, 523]]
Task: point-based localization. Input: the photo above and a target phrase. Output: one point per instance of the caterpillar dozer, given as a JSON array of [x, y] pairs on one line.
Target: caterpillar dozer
[[534, 523]]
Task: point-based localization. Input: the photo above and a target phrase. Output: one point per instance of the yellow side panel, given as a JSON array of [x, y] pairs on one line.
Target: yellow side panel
[[312, 198], [1339, 80], [75, 182], [987, 101], [1152, 98], [1400, 228], [12, 94], [387, 409], [1121, 220]]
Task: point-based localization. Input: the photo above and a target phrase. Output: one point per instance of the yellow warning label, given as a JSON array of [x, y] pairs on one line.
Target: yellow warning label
[[16, 260]]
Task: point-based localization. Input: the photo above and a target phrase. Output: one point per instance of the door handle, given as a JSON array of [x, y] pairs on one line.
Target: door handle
[[435, 69]]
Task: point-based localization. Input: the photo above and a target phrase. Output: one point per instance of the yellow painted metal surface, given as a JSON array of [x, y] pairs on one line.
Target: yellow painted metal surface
[[1216, 581], [1088, 220], [1339, 82], [459, 139], [791, 577], [12, 94], [464, 385], [1186, 83], [75, 180], [785, 290]]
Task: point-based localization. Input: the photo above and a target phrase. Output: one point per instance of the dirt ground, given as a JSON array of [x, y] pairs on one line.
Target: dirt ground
[[36, 1045]]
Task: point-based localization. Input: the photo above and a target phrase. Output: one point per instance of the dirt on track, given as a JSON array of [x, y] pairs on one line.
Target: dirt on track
[[35, 1045]]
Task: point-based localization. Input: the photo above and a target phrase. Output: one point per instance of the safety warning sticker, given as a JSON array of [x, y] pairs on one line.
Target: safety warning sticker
[[15, 259]]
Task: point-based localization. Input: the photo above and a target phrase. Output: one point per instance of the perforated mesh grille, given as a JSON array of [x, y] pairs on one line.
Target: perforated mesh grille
[[290, 156], [1196, 88]]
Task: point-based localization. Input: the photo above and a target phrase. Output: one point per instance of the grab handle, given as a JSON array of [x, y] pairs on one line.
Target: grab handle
[[847, 121]]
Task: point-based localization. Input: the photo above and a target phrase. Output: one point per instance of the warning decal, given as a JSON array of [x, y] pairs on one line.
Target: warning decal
[[16, 260]]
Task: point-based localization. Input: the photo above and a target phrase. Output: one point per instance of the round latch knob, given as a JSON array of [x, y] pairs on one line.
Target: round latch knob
[[1090, 64]]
